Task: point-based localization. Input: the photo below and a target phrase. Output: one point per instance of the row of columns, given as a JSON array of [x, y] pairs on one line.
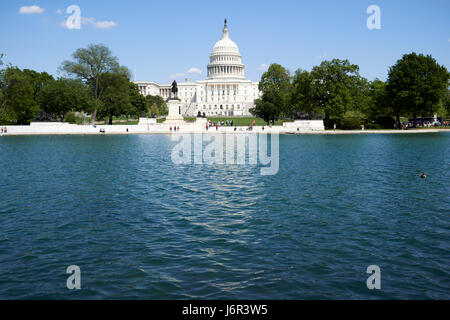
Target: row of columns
[[222, 58], [232, 70], [222, 89], [164, 92], [220, 107], [221, 92]]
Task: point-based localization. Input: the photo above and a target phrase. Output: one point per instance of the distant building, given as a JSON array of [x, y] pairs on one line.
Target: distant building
[[225, 91]]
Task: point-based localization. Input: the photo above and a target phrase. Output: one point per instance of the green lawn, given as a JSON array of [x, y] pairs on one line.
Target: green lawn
[[129, 123], [236, 121]]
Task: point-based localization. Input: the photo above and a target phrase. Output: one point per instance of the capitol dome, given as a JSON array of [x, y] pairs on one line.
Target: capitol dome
[[225, 60], [225, 45]]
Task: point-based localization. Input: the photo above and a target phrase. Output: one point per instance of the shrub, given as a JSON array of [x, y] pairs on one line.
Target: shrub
[[349, 123], [73, 118]]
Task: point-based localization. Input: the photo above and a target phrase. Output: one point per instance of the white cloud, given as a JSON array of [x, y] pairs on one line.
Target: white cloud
[[263, 67], [59, 11], [178, 75], [92, 22], [192, 70], [98, 24], [31, 10], [195, 70], [322, 56]]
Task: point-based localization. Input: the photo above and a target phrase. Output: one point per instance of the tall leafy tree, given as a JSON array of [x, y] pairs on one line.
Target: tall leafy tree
[[378, 105], [115, 97], [138, 102], [90, 64], [335, 85], [416, 84], [19, 96], [38, 80], [63, 95], [447, 102], [275, 86], [2, 95], [156, 106], [301, 95]]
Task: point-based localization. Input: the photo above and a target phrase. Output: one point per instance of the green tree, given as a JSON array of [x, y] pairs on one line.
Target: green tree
[[152, 111], [138, 102], [275, 86], [38, 80], [416, 84], [63, 95], [18, 97], [161, 106], [379, 102], [115, 97], [89, 65], [447, 102], [335, 88], [301, 95]]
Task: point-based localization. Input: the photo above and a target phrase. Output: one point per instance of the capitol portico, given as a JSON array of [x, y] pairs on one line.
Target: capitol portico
[[225, 91]]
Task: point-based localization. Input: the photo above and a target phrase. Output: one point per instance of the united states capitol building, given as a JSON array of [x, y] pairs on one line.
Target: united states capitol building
[[225, 91]]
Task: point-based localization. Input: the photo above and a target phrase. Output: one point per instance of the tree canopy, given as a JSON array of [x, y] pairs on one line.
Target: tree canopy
[[63, 95], [334, 91], [18, 96], [90, 64], [275, 86], [115, 97], [416, 84], [156, 106]]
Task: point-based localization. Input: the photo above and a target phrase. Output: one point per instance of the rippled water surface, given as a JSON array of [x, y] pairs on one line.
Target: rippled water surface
[[140, 227]]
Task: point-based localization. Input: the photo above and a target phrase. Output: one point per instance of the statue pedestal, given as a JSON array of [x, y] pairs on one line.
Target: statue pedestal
[[174, 116]]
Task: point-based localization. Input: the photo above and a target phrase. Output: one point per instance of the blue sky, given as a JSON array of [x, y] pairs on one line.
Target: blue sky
[[160, 39]]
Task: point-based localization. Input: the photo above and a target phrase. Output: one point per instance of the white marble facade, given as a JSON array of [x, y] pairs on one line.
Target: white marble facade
[[225, 91]]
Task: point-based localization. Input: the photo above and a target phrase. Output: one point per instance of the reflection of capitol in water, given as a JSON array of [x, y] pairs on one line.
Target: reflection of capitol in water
[[224, 92]]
